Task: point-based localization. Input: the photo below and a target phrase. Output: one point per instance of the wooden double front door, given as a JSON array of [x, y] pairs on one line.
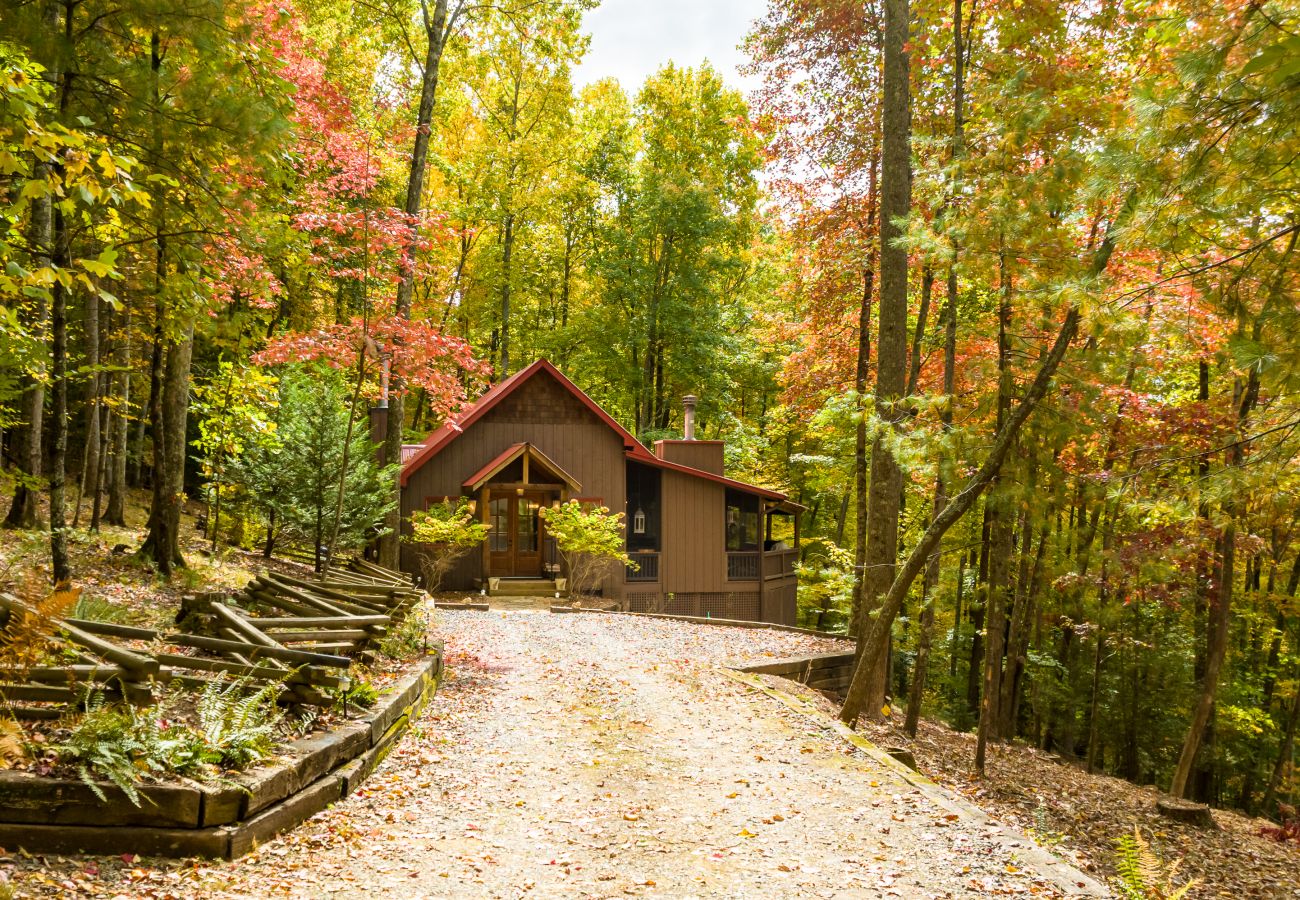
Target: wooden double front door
[[516, 534]]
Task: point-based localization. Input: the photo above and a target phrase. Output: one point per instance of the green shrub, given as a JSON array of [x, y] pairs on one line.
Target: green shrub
[[359, 693], [590, 540], [408, 637], [97, 609], [121, 744], [444, 533]]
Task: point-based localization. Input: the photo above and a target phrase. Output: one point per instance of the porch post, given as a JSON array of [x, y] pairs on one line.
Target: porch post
[[762, 565], [484, 498]]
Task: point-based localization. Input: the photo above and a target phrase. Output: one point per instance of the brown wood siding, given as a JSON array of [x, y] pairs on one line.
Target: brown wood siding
[[704, 455], [546, 415], [694, 535]]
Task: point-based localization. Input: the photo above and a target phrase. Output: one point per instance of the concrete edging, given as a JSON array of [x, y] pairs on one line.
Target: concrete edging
[[44, 815], [1070, 879], [704, 620]]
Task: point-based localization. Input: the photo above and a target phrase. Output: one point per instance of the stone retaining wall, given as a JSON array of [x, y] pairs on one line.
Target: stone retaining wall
[[219, 820]]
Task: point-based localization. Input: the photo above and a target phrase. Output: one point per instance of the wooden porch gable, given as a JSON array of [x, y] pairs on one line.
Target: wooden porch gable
[[533, 459]]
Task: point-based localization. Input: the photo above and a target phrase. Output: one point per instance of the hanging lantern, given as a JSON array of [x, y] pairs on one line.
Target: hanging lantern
[[638, 521]]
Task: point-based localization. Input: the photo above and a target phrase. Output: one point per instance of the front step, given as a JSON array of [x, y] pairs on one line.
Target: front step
[[522, 587]]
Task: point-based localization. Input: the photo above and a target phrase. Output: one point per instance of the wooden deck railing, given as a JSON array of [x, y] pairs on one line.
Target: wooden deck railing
[[647, 567], [779, 563], [743, 565]]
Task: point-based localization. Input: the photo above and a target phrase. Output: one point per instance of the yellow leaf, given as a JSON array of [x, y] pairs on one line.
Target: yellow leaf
[[106, 165], [885, 711]]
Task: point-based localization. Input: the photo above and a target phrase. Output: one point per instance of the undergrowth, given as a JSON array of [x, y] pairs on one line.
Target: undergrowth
[[123, 745], [408, 637], [1143, 875]]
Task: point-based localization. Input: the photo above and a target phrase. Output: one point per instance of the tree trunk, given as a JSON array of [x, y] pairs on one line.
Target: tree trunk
[[269, 547], [860, 457], [1284, 752], [507, 251], [994, 623], [115, 512], [884, 494], [24, 510], [162, 541], [955, 649], [59, 381], [60, 260], [919, 677], [90, 450], [437, 29], [1002, 518], [1220, 608]]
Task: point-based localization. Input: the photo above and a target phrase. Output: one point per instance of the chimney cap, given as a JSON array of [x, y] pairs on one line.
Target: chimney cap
[[690, 399]]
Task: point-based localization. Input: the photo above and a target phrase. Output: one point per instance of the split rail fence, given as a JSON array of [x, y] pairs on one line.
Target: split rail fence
[[304, 634]]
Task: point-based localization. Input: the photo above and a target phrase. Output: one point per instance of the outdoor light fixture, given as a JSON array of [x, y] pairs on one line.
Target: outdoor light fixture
[[519, 491], [638, 521]]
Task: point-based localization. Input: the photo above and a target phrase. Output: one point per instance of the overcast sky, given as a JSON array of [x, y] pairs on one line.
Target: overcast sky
[[630, 39]]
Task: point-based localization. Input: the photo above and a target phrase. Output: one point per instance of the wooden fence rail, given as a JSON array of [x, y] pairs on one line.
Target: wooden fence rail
[[304, 634]]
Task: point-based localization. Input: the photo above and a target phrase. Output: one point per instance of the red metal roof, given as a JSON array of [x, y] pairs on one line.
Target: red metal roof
[[447, 433], [636, 451]]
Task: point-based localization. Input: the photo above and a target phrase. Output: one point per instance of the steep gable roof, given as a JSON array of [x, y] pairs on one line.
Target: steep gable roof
[[498, 392], [634, 449]]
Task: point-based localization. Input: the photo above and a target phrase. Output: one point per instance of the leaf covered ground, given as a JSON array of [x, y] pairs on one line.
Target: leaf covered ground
[[1080, 816], [602, 756]]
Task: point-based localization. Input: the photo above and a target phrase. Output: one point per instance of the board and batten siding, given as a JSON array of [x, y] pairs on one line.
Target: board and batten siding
[[694, 536], [540, 412]]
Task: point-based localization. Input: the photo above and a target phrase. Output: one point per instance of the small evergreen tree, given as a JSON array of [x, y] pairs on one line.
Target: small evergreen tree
[[589, 540], [296, 481], [444, 533]]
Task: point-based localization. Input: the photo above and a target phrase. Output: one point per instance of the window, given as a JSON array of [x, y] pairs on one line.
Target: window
[[742, 521], [526, 526], [499, 522]]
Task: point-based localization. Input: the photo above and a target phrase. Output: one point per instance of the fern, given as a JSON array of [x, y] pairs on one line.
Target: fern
[[1143, 875], [32, 621], [11, 743], [121, 744], [239, 724]]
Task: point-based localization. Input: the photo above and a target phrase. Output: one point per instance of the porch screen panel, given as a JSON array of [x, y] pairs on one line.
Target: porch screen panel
[[742, 521]]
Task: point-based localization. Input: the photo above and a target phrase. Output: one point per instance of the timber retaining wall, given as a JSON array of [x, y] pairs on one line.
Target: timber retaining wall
[[828, 672], [224, 819]]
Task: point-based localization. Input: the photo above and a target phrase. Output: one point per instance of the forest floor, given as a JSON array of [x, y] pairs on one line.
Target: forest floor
[[594, 756], [1080, 815]]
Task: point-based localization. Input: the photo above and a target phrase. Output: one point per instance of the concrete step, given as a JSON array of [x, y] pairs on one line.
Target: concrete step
[[523, 587]]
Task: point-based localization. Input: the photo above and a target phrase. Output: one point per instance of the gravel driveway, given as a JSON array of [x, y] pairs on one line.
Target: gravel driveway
[[606, 756]]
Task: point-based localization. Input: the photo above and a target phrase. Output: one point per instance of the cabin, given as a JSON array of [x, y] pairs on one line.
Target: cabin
[[703, 544]]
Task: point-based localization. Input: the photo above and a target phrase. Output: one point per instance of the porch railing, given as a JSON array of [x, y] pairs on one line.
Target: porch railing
[[647, 567], [743, 566], [779, 563]]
